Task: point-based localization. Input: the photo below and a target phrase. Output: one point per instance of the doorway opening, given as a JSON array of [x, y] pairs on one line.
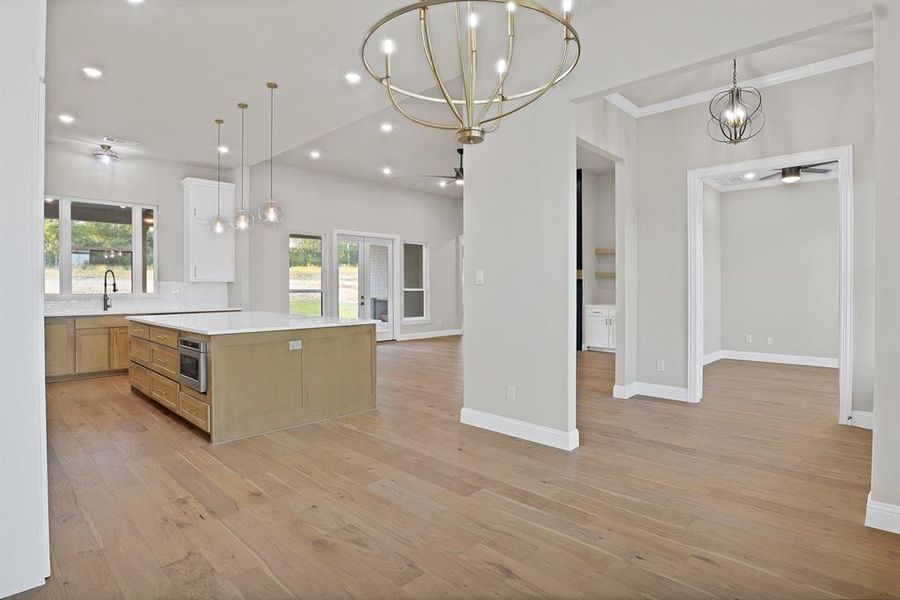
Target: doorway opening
[[365, 280], [832, 163]]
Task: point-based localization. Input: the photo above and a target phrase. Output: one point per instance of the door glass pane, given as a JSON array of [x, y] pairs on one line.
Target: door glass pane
[[348, 279], [413, 304], [101, 240], [306, 304], [379, 285], [412, 266], [148, 241], [51, 246]]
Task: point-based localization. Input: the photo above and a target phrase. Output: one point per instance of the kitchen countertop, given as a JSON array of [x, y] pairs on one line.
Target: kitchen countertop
[[253, 321], [120, 313]]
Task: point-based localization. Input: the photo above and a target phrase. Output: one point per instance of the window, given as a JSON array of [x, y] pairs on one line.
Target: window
[[83, 239], [415, 281], [305, 278]]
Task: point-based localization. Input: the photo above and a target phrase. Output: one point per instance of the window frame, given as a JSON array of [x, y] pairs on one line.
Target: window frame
[[137, 249], [426, 282], [323, 291]]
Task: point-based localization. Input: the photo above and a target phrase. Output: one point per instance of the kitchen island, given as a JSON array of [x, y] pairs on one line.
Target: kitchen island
[[236, 375]]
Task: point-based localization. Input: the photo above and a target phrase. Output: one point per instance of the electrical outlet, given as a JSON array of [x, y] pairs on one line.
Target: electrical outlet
[[770, 341], [660, 365], [479, 277], [748, 338], [295, 345], [510, 391]]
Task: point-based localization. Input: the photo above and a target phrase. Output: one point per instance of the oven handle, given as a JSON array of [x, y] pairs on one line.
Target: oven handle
[[191, 352]]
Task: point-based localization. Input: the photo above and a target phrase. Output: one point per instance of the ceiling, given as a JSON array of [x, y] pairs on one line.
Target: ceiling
[[171, 68], [361, 149], [736, 181], [805, 51]]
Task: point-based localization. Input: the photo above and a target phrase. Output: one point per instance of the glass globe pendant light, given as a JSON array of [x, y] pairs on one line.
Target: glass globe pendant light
[[243, 219], [219, 224], [271, 211]]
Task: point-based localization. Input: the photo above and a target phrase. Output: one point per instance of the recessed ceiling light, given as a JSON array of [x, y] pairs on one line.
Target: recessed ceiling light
[[387, 127], [67, 119], [135, 1], [386, 171], [223, 149], [122, 206], [314, 154], [92, 72], [352, 77], [48, 200], [749, 176]]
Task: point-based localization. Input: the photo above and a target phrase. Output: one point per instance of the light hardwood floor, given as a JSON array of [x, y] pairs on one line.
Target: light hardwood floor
[[754, 493]]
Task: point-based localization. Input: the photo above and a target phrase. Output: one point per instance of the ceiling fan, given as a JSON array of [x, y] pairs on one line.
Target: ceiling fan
[[792, 174], [457, 176]]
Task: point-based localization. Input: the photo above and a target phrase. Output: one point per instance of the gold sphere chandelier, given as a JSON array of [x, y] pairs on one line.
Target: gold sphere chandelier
[[475, 110]]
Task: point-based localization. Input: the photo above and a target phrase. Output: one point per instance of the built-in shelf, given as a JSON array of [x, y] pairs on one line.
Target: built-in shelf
[[602, 251], [605, 274]]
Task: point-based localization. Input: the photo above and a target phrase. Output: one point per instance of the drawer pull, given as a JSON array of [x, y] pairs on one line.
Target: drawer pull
[[160, 337], [161, 392], [162, 361]]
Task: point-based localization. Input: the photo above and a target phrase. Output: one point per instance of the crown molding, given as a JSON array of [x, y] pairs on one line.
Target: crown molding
[[802, 72]]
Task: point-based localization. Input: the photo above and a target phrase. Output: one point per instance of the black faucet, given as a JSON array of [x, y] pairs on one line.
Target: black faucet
[[107, 303]]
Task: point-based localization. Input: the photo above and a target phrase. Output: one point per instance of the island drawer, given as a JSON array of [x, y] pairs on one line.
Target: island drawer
[[139, 350], [193, 410], [139, 331], [164, 361], [164, 337], [164, 391], [139, 377]]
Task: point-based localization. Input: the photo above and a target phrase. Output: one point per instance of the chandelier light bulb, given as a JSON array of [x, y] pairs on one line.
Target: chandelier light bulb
[[501, 66], [352, 78], [223, 149], [473, 20], [387, 127], [243, 220], [388, 46], [567, 6], [442, 183], [459, 182], [511, 6], [315, 154]]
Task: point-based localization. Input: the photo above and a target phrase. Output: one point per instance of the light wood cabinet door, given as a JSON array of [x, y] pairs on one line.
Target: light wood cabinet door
[[92, 350], [119, 352], [59, 348]]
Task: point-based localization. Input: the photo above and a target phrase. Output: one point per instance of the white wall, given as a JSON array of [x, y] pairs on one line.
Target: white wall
[[72, 171], [520, 230], [24, 541], [886, 430], [819, 112], [319, 203], [598, 226], [712, 270], [780, 269]]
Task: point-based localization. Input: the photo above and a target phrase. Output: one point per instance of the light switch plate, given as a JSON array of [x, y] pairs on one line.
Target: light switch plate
[[479, 277], [295, 345]]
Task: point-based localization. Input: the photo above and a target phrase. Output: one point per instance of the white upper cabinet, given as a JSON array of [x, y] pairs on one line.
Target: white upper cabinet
[[208, 257]]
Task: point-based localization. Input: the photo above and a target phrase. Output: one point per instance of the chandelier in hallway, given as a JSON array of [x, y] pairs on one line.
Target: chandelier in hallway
[[735, 114], [474, 110]]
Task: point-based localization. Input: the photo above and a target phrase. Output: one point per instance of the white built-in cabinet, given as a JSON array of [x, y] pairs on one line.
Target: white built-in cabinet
[[599, 327], [208, 256]]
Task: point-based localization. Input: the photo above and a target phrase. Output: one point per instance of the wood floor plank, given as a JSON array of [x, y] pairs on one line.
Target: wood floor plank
[[754, 492]]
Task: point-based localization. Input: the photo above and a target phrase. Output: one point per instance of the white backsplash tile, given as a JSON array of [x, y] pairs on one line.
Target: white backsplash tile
[[173, 296]]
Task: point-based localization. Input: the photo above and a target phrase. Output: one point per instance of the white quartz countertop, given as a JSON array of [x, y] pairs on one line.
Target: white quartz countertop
[[81, 312], [251, 321]]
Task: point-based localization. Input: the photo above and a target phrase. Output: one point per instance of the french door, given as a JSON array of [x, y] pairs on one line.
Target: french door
[[365, 268]]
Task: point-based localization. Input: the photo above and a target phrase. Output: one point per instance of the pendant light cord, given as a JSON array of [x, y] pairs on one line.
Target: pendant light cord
[[242, 158], [218, 166], [271, 140]]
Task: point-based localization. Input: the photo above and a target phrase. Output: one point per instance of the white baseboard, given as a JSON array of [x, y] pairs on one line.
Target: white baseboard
[[712, 357], [861, 418], [881, 515], [653, 390], [556, 438], [428, 334], [783, 359]]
